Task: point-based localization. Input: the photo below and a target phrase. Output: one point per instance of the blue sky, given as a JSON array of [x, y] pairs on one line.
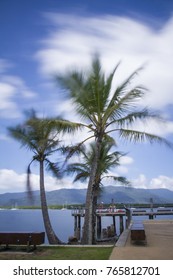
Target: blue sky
[[40, 38]]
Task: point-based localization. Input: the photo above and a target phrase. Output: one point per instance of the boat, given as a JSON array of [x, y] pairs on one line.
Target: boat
[[15, 207], [64, 207]]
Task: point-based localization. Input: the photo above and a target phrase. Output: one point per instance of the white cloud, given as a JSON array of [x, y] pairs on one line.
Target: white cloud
[[163, 182], [122, 169], [126, 160], [66, 109], [12, 89], [140, 182], [18, 84], [8, 108], [11, 181], [160, 128], [115, 38], [7, 91]]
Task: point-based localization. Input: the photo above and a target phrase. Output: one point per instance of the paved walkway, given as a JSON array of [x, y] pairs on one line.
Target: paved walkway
[[159, 244]]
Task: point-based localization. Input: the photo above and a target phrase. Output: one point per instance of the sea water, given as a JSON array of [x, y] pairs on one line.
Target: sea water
[[62, 221], [31, 220]]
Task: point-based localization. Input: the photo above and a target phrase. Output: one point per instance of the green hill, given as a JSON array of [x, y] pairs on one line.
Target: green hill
[[77, 196]]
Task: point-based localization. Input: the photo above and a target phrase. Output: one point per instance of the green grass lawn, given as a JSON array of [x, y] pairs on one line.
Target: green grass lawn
[[59, 253]]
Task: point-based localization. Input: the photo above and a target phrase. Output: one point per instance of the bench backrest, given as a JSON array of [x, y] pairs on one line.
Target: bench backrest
[[22, 238]]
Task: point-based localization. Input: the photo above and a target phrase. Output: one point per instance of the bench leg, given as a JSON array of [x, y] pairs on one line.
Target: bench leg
[[6, 247], [30, 247]]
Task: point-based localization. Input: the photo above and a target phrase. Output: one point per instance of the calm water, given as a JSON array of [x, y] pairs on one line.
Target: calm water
[[62, 221], [31, 220]]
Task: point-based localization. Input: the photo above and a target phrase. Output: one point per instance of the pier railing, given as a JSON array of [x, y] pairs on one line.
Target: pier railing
[[79, 213]]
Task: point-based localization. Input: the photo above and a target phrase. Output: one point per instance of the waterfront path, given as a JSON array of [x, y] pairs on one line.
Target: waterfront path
[[159, 246]]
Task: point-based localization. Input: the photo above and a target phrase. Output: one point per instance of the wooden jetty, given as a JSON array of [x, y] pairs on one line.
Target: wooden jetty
[[124, 217]]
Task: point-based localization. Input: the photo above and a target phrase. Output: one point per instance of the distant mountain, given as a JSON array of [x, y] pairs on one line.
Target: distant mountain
[[77, 196], [137, 195]]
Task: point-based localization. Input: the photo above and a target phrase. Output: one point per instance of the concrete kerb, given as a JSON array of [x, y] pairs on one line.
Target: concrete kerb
[[76, 245], [123, 238]]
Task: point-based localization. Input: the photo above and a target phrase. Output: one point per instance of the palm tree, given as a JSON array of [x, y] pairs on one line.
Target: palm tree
[[41, 137], [107, 161], [105, 110]]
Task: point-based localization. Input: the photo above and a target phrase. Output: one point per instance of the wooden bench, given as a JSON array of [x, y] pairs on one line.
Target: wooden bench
[[137, 231], [29, 239]]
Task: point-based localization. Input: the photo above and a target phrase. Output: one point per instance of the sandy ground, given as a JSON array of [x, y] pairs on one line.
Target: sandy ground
[[159, 243]]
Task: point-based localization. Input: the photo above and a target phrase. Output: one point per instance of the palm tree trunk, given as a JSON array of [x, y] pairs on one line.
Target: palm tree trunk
[[89, 219], [87, 237], [52, 238], [94, 218]]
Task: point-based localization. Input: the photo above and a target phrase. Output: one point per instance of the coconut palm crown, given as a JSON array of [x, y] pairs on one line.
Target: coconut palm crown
[[107, 161]]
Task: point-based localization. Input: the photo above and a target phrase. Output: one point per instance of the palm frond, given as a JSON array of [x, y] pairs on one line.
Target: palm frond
[[108, 84], [83, 176], [76, 168], [122, 90], [73, 150], [19, 133], [118, 179], [139, 137], [28, 184], [122, 180], [145, 115], [124, 104], [54, 168], [61, 125]]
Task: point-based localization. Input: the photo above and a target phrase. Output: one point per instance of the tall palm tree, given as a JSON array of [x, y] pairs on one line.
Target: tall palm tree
[[105, 110], [107, 161], [41, 137]]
